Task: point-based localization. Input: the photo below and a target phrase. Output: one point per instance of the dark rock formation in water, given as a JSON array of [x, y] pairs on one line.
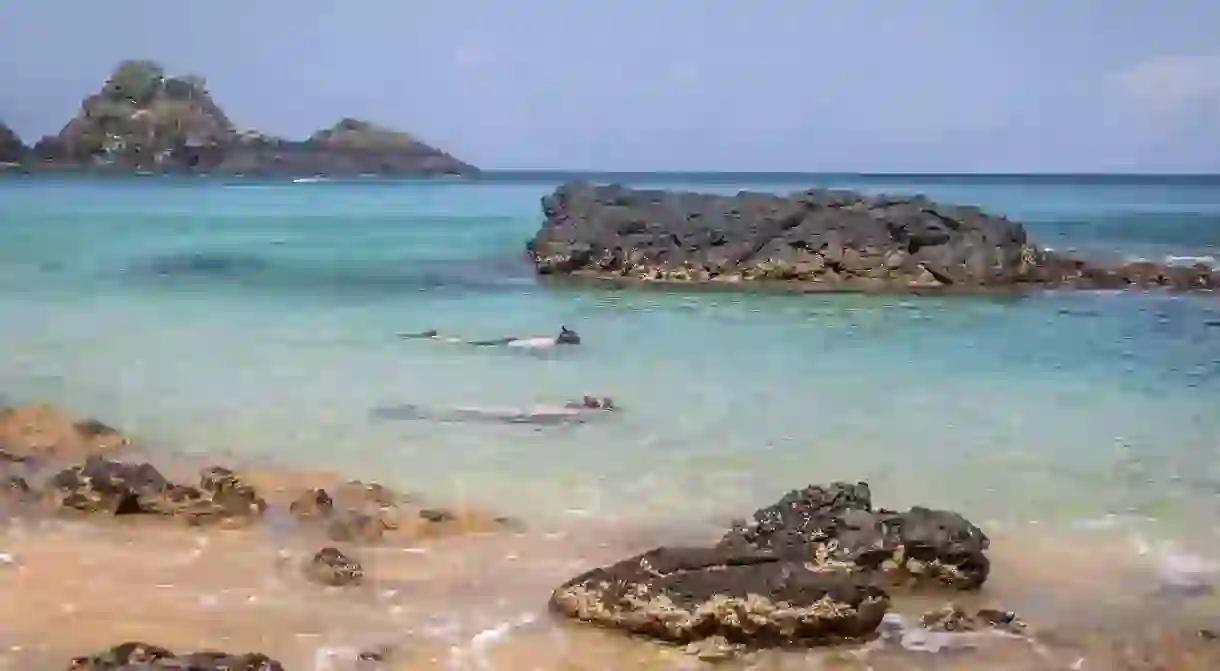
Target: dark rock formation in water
[[143, 120], [813, 568], [333, 568], [134, 655], [816, 240]]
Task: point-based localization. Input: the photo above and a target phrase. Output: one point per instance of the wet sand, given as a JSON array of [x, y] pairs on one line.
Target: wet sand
[[470, 593]]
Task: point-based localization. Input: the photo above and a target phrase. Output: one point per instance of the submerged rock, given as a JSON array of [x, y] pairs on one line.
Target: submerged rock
[[331, 567], [312, 504], [368, 511], [132, 656], [954, 618], [365, 512], [687, 594], [815, 240], [231, 495], [811, 568]]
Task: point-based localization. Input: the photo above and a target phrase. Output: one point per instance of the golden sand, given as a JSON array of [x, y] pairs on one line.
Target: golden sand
[[470, 593]]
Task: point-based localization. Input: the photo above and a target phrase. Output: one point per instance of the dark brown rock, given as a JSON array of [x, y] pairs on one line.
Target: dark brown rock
[[688, 594], [230, 493], [134, 656], [436, 515], [113, 487], [954, 618], [811, 568], [128, 488], [331, 567], [838, 522], [312, 504], [351, 526]]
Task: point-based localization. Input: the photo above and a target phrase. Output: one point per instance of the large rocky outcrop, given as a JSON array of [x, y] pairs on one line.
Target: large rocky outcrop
[[816, 240], [816, 567], [145, 120]]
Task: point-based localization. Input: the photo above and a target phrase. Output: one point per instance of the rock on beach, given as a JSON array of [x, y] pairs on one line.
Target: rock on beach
[[816, 567]]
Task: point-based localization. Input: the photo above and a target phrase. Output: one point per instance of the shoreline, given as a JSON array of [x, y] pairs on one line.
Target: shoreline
[[437, 597], [583, 278]]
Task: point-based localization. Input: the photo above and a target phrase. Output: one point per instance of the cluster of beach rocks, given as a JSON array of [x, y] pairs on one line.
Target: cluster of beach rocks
[[816, 567], [135, 655], [815, 240], [53, 464]]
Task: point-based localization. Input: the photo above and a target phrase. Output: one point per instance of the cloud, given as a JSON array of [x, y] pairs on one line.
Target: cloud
[[1173, 83]]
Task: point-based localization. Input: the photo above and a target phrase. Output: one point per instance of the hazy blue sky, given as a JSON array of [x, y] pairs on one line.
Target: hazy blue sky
[[935, 85]]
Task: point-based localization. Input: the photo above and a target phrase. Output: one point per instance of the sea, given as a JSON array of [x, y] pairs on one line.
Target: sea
[[260, 318]]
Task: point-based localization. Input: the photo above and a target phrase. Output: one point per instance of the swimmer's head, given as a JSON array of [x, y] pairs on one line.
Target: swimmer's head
[[567, 337], [596, 403]]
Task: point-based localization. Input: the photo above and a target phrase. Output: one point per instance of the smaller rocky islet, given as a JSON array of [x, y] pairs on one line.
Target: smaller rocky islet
[[818, 240]]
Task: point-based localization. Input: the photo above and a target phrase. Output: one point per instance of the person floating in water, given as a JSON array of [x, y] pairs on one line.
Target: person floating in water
[[572, 412], [566, 337], [591, 403]]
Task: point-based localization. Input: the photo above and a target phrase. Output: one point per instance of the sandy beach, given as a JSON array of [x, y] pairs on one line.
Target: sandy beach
[[454, 588]]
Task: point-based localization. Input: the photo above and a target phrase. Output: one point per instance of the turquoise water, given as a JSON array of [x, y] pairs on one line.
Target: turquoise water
[[260, 318]]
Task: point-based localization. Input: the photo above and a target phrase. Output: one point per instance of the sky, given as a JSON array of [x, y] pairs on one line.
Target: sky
[[764, 85]]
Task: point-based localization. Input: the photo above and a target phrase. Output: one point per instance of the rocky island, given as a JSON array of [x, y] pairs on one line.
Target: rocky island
[[812, 241], [144, 120]]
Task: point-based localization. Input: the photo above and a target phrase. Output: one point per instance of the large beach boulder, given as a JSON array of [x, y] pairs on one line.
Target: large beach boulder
[[687, 594], [838, 524], [815, 567], [815, 240]]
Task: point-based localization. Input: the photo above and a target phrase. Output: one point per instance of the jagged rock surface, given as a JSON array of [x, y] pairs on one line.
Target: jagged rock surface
[[134, 656], [812, 568], [815, 240], [687, 594], [145, 120]]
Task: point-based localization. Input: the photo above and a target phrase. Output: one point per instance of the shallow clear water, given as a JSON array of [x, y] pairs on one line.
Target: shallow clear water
[[260, 318]]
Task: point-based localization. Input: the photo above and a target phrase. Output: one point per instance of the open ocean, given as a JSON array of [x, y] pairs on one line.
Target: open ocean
[[259, 317]]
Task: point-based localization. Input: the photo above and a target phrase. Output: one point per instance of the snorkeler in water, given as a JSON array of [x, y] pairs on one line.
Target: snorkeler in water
[[566, 336]]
